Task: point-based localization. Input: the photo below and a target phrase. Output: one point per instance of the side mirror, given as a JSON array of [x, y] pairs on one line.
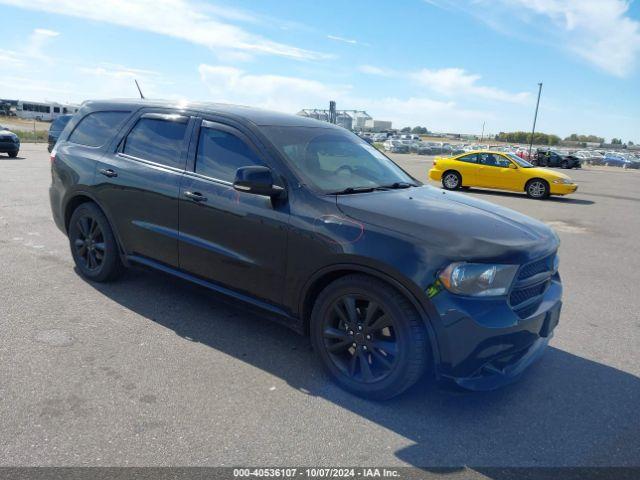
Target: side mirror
[[256, 180]]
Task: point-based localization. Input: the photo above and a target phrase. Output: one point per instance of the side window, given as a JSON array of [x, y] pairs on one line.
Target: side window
[[97, 128], [221, 153], [157, 140], [492, 160], [472, 158]]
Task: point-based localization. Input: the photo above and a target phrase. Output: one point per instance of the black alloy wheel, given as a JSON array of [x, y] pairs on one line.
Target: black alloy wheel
[[93, 245], [89, 243], [360, 338], [369, 337]]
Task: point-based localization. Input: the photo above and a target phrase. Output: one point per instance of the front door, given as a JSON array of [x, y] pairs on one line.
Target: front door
[[494, 171], [234, 239]]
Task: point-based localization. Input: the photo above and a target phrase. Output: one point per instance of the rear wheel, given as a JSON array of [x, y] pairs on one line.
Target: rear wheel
[[93, 245], [451, 180], [369, 337], [13, 154], [564, 164], [537, 188]]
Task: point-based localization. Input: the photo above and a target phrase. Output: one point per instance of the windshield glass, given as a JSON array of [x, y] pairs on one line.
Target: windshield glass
[[519, 161], [331, 161]]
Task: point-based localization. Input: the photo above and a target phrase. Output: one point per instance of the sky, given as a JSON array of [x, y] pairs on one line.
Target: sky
[[448, 65]]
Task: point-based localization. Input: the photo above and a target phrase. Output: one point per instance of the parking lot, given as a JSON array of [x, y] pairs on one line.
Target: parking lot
[[154, 371]]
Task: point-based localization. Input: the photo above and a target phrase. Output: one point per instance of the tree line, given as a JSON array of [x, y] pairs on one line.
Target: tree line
[[539, 138]]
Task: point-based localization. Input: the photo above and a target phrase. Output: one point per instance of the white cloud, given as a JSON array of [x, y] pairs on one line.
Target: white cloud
[[600, 32], [597, 30], [275, 92], [350, 41], [38, 40], [457, 82], [290, 94], [183, 19], [373, 70], [450, 82]]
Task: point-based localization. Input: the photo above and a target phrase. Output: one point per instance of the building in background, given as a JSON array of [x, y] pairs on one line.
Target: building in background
[[356, 120]]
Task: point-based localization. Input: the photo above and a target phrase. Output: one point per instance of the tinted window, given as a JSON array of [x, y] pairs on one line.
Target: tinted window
[[157, 140], [220, 154], [333, 159], [492, 160], [468, 158], [60, 122], [97, 128]]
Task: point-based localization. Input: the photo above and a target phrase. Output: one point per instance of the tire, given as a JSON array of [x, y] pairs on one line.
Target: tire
[[537, 188], [451, 180], [564, 164], [13, 154], [369, 337], [93, 245]]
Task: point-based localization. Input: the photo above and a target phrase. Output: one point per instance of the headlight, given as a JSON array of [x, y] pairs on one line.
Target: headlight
[[565, 181], [478, 279]]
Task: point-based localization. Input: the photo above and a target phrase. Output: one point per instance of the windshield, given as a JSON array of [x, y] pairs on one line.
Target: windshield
[[519, 161], [332, 161]]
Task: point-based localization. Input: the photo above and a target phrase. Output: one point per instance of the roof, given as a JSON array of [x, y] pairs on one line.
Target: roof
[[257, 116]]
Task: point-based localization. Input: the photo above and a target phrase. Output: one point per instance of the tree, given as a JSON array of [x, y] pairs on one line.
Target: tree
[[406, 130], [630, 143], [419, 130], [616, 141]]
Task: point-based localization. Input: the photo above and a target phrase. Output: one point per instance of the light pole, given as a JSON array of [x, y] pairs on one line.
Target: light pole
[[482, 134], [535, 117]]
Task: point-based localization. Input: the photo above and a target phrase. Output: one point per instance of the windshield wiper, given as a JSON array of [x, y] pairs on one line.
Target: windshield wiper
[[399, 185], [349, 190]]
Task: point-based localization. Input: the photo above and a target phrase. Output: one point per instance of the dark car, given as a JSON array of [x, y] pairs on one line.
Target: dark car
[[9, 142], [56, 129], [550, 158], [390, 278]]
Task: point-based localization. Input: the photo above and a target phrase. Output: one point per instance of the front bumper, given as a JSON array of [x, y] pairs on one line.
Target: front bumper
[[485, 344], [563, 188], [9, 147]]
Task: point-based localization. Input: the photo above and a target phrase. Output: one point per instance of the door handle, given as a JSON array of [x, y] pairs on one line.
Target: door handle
[[107, 172], [195, 196]]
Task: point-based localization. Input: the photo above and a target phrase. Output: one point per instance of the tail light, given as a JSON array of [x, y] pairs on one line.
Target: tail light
[[52, 156]]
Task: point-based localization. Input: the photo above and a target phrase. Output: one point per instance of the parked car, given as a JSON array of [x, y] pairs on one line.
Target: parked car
[[614, 159], [552, 158], [301, 218], [380, 137], [395, 146], [56, 128], [9, 142], [500, 171], [421, 148]]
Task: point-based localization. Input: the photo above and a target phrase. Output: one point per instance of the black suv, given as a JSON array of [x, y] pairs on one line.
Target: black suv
[[303, 219], [550, 158]]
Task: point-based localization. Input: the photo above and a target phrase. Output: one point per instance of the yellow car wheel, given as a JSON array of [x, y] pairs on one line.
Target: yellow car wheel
[[451, 180], [537, 188]]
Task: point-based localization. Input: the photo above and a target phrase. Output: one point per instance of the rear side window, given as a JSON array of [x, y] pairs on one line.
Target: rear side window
[[159, 141], [221, 153], [468, 158], [60, 122], [97, 128]]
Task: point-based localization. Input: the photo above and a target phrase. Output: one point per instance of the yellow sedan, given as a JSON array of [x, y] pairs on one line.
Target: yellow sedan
[[498, 170]]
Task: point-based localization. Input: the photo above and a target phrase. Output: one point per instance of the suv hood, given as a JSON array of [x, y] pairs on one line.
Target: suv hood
[[453, 225]]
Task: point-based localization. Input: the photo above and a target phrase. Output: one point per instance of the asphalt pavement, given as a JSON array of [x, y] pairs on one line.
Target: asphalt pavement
[[152, 371]]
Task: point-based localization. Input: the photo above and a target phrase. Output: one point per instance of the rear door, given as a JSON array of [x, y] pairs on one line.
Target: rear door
[[139, 184], [234, 239]]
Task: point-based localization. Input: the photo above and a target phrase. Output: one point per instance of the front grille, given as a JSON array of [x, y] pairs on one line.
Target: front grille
[[523, 294], [534, 268], [526, 297]]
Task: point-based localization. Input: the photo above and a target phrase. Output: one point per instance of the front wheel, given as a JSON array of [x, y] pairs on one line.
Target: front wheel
[[368, 336], [93, 245], [537, 188], [13, 154], [564, 164], [451, 180]]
